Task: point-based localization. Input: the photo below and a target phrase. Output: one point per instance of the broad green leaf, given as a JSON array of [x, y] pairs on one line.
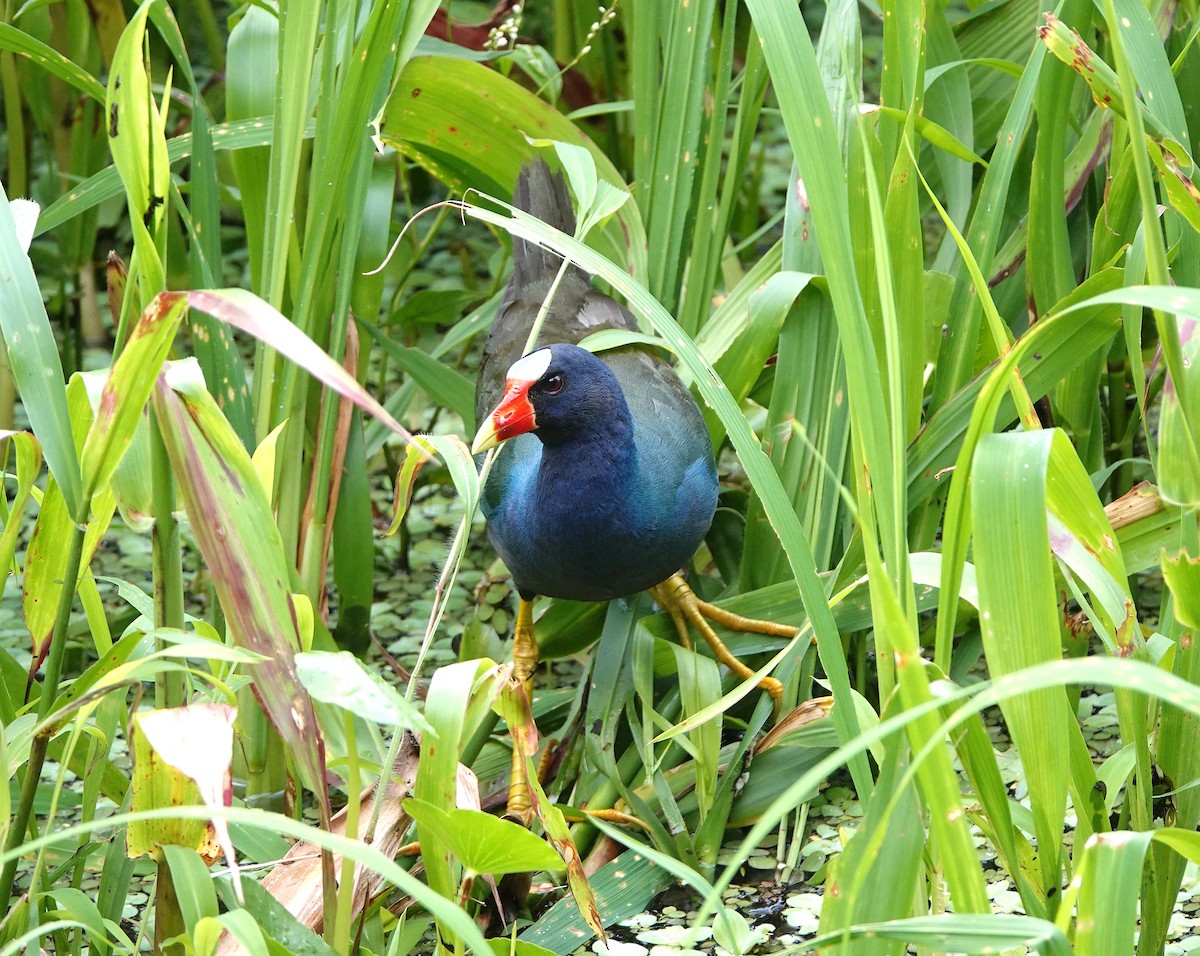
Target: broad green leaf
[[607, 339], [212, 343], [238, 924], [518, 947], [444, 909], [1009, 28], [78, 906], [873, 878], [483, 843], [936, 135], [1178, 449], [672, 50], [101, 186], [1082, 536], [1108, 880], [264, 457], [415, 455], [623, 888], [131, 482], [46, 557], [253, 56], [962, 933], [280, 926], [193, 885], [449, 709], [744, 360], [342, 679], [699, 684]]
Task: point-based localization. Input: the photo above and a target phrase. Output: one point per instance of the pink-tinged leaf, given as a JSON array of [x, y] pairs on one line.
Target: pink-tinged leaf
[[128, 387], [198, 742], [232, 521], [246, 311], [116, 277]]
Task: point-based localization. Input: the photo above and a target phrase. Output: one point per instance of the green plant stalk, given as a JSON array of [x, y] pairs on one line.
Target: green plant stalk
[[345, 893], [40, 875], [564, 35], [170, 690], [168, 918], [41, 739], [266, 774], [203, 11], [297, 39], [18, 184], [314, 558], [14, 126]]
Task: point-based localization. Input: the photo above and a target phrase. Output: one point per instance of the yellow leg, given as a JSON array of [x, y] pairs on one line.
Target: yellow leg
[[525, 646], [678, 600], [520, 807], [525, 661]]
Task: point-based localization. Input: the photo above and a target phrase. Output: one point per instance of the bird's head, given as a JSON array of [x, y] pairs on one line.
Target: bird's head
[[560, 392]]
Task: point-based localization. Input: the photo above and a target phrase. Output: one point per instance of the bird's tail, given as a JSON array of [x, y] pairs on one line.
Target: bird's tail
[[542, 194]]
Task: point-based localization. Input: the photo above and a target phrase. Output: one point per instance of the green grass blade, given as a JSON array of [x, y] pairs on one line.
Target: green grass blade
[[51, 60], [33, 354], [1019, 615]]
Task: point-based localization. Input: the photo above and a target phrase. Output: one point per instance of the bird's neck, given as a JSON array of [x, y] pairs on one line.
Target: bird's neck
[[591, 471]]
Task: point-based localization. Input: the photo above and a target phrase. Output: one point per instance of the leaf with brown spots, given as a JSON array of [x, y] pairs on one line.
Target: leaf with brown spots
[[231, 518], [128, 388]]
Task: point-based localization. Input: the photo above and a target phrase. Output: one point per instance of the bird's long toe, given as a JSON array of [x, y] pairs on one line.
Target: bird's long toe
[[678, 599]]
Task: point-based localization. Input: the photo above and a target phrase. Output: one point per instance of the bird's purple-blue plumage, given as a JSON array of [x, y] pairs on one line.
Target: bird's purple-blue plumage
[[616, 488]]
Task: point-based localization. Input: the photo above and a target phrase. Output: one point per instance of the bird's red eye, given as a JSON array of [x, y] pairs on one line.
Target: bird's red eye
[[553, 384]]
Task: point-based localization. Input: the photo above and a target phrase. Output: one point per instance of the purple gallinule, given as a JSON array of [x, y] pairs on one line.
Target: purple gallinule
[[606, 484]]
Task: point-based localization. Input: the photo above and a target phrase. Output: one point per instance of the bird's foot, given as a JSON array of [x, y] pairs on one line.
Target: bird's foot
[[525, 645], [678, 599]]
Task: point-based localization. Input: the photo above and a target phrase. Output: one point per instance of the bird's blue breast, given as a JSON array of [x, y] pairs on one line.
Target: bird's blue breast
[[608, 532]]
